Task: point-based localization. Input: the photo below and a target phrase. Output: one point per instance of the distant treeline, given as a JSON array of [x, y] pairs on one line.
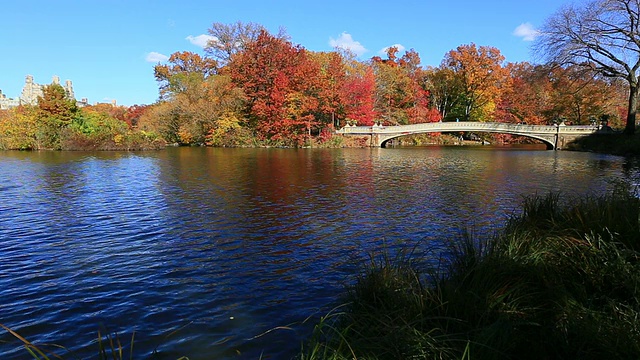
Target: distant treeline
[[253, 88]]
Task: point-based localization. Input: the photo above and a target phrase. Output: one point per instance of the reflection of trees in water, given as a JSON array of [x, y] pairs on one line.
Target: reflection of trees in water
[[631, 170], [260, 232]]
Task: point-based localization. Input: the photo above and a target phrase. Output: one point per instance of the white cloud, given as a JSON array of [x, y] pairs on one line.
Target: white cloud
[[201, 40], [345, 41], [526, 31], [400, 48], [155, 57]]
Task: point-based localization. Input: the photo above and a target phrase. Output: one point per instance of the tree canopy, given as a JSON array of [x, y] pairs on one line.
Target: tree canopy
[[602, 36], [250, 87]]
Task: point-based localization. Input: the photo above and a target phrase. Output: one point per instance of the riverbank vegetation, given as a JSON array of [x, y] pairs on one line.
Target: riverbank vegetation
[[57, 123], [109, 346], [252, 88], [562, 281], [616, 144]]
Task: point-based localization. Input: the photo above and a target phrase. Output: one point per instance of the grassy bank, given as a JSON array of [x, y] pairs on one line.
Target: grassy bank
[[562, 281]]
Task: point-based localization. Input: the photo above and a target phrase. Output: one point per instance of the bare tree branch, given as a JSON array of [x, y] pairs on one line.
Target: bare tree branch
[[601, 35]]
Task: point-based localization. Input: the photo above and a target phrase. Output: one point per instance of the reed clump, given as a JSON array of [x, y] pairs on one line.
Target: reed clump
[[560, 281], [109, 346]]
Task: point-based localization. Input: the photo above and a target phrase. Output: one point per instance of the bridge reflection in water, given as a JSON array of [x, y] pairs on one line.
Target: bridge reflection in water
[[554, 136]]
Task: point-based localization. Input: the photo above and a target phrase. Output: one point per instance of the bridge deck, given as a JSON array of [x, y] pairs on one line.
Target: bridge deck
[[469, 126], [550, 134]]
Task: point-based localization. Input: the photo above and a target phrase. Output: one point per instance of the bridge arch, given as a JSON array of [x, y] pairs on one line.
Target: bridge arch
[[554, 136], [549, 143]]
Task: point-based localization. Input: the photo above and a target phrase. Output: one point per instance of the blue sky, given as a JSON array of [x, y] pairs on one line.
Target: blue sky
[[108, 48]]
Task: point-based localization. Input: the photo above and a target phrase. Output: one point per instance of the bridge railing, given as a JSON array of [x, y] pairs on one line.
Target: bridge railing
[[469, 126]]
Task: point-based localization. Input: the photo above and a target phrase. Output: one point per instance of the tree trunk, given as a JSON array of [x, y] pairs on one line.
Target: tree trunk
[[630, 127]]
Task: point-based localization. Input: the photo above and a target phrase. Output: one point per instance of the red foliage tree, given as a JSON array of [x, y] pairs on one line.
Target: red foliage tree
[[401, 93], [358, 97], [134, 113], [280, 80], [526, 98]]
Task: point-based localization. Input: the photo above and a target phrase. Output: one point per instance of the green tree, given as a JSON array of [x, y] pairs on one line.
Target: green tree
[[445, 89], [183, 71]]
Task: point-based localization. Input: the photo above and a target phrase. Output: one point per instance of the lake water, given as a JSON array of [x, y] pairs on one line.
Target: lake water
[[223, 253]]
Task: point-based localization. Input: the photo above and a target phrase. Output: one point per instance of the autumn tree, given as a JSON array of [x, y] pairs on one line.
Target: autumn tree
[[401, 94], [55, 104], [351, 88], [602, 36], [419, 109], [133, 114], [197, 100], [445, 89], [580, 95], [163, 118], [528, 96], [114, 111], [481, 78], [20, 129], [392, 88], [184, 69], [280, 81], [229, 39], [55, 111], [358, 96], [211, 105], [331, 81], [346, 90]]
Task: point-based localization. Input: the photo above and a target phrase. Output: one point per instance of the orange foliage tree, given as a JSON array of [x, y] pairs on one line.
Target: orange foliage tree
[[580, 96], [482, 78], [332, 78], [527, 98]]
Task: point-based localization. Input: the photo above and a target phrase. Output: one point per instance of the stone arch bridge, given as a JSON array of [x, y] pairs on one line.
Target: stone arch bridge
[[554, 136]]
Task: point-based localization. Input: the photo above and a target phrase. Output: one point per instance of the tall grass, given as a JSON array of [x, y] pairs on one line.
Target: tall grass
[[561, 281], [109, 347]]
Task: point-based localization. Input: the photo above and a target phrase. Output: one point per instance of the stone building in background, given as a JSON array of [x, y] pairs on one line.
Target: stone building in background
[[31, 91], [7, 103]]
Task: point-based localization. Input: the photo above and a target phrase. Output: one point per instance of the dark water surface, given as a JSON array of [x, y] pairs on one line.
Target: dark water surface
[[223, 253]]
